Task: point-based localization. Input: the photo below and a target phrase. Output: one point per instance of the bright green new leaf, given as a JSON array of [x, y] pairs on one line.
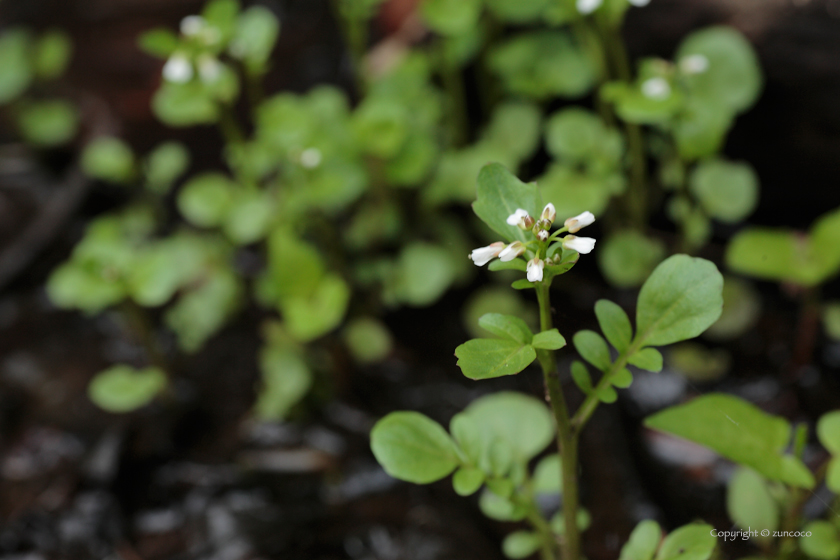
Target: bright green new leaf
[[500, 194], [607, 395], [581, 377], [485, 358], [15, 71], [181, 105], [367, 339], [733, 75], [628, 257], [823, 542], [109, 159], [501, 509], [506, 326], [750, 503], [467, 480], [643, 541], [52, 54], [165, 164], [201, 312], [257, 29], [592, 348], [701, 127], [727, 190], [250, 216], [450, 17], [547, 475], [634, 106], [832, 475], [206, 199], [468, 436], [739, 431], [622, 378], [691, 542], [549, 340], [312, 316], [160, 42], [285, 380], [122, 388], [48, 123], [614, 324], [647, 358], [522, 422], [76, 286], [521, 544], [424, 272], [413, 447], [680, 299], [295, 268]]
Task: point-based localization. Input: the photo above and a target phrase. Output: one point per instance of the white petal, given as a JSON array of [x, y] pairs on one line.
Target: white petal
[[192, 25], [517, 217], [588, 6], [582, 245], [310, 158], [178, 69], [579, 221], [534, 271], [484, 255], [656, 88], [549, 213], [511, 251]]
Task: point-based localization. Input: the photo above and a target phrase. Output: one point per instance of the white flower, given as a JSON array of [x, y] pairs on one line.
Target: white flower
[[512, 251], [310, 158], [549, 213], [534, 271], [178, 69], [639, 3], [484, 255], [582, 245], [694, 64], [542, 235], [192, 25], [656, 88], [588, 6], [579, 221], [518, 218]]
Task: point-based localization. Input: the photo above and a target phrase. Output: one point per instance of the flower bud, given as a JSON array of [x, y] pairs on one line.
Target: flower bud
[[534, 270], [518, 218], [549, 214], [542, 235], [579, 221], [582, 245]]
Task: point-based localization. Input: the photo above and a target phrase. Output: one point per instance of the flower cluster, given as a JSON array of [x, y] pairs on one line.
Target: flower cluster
[[538, 246]]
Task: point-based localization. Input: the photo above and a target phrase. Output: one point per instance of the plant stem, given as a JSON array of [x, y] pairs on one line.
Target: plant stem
[[567, 438], [591, 402], [807, 330], [547, 544]]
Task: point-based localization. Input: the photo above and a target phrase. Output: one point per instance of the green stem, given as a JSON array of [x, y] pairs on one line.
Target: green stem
[[453, 83], [354, 27], [546, 538], [567, 437], [584, 413]]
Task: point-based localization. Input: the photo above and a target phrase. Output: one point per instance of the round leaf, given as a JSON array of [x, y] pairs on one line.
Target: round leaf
[[122, 388], [727, 191]]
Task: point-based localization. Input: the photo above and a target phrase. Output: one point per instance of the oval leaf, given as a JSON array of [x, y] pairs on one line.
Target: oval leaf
[[485, 358]]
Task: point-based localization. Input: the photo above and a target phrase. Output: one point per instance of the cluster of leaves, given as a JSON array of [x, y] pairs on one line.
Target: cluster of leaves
[[30, 64]]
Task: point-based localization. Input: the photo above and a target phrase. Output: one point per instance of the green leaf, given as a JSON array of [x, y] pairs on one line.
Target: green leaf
[[160, 42], [514, 129], [823, 542], [285, 381], [680, 299], [250, 216], [257, 29], [549, 340], [628, 257], [48, 123], [450, 17], [467, 480], [573, 191], [468, 435], [607, 395], [739, 431], [728, 191], [581, 377], [701, 127], [181, 105], [614, 323], [749, 502], [15, 72], [523, 423], [51, 54], [501, 509], [368, 340], [741, 310], [485, 358], [165, 164], [381, 125], [76, 286], [547, 475], [523, 284], [515, 264], [109, 159], [832, 475], [424, 272], [122, 388], [578, 135], [647, 358], [521, 544], [643, 541], [500, 194], [206, 199], [592, 348], [413, 447], [506, 326], [691, 542], [520, 63], [514, 11], [830, 317], [634, 106], [733, 77], [622, 378], [828, 431], [309, 317]]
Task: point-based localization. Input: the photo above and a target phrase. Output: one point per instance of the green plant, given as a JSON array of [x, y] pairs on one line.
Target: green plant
[[488, 443]]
